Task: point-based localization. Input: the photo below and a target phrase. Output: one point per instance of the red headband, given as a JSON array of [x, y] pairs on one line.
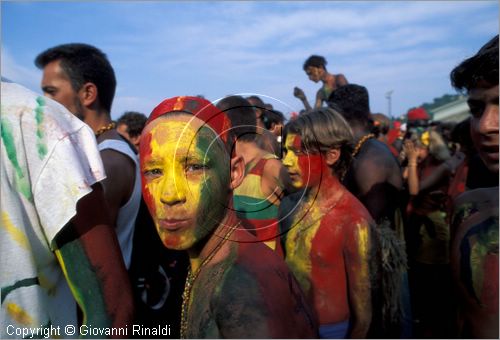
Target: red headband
[[200, 108]]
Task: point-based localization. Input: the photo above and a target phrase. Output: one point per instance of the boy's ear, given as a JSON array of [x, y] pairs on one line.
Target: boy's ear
[[332, 156], [237, 171]]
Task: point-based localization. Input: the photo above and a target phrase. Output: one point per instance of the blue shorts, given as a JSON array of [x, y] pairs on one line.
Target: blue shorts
[[334, 331]]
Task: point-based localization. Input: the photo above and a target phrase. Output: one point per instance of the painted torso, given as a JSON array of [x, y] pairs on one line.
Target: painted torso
[[317, 246], [248, 292], [258, 213], [328, 87], [474, 261]]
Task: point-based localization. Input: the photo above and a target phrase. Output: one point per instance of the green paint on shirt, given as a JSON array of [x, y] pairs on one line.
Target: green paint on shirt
[[22, 181], [41, 146]]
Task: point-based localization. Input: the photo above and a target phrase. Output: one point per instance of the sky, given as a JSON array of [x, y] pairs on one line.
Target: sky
[[164, 49]]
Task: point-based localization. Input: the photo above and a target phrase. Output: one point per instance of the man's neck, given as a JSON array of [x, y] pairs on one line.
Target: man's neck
[[205, 248], [328, 190], [359, 131], [328, 79], [97, 119]]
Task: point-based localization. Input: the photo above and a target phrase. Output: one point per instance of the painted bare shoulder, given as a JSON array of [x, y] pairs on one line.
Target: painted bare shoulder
[[258, 297]]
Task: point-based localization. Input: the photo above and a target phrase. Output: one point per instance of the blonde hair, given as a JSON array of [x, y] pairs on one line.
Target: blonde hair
[[324, 129]]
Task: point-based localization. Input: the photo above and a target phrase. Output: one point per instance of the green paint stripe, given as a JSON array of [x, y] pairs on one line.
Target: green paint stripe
[[39, 115], [19, 284], [254, 208], [22, 182]]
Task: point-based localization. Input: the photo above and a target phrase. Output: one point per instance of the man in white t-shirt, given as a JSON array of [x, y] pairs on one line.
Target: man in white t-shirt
[[80, 77], [56, 242]]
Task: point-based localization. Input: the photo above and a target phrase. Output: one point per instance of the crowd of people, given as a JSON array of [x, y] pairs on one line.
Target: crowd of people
[[223, 220]]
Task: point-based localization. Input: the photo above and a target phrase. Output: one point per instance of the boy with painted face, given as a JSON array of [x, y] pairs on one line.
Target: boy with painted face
[[474, 245], [236, 286], [328, 238]]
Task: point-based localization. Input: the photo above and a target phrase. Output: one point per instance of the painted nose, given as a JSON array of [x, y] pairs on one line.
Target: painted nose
[[173, 190], [287, 160]]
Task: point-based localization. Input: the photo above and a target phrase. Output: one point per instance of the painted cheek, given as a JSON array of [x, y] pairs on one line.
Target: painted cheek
[[294, 142], [311, 168], [210, 189], [145, 153], [291, 164]]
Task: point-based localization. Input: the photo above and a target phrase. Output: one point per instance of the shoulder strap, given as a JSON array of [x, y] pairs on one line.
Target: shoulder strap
[[119, 146]]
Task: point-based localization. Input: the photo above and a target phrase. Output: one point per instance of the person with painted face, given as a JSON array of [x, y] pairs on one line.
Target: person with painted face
[[236, 286], [474, 245], [327, 231], [315, 68], [266, 180]]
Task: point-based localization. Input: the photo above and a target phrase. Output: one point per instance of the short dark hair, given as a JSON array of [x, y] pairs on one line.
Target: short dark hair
[[242, 116], [83, 63], [315, 61], [483, 66], [353, 102], [324, 129], [135, 122], [256, 101], [270, 117]]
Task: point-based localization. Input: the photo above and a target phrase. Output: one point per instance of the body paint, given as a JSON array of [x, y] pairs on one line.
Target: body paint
[[327, 250], [477, 244], [184, 179], [89, 286], [305, 169]]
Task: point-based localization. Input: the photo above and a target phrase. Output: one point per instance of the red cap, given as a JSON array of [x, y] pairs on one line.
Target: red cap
[[418, 114], [200, 108]]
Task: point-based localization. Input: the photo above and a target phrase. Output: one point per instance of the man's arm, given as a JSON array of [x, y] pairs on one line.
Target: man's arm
[[90, 257], [356, 253], [373, 189], [298, 93], [411, 170], [443, 171], [119, 183], [319, 99]]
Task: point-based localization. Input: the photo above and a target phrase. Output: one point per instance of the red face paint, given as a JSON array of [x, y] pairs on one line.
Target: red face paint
[[312, 166], [145, 152]]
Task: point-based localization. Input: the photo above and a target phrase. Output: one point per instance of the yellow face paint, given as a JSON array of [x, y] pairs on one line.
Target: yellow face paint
[[291, 160], [185, 179]]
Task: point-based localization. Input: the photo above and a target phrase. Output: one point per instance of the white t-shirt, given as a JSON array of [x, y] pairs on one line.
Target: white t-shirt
[[49, 160]]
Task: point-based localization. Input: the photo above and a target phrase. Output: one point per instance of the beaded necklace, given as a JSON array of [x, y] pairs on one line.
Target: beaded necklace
[[361, 142], [191, 278], [108, 127]]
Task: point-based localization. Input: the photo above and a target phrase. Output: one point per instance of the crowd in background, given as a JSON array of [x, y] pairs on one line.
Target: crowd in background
[[364, 226]]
